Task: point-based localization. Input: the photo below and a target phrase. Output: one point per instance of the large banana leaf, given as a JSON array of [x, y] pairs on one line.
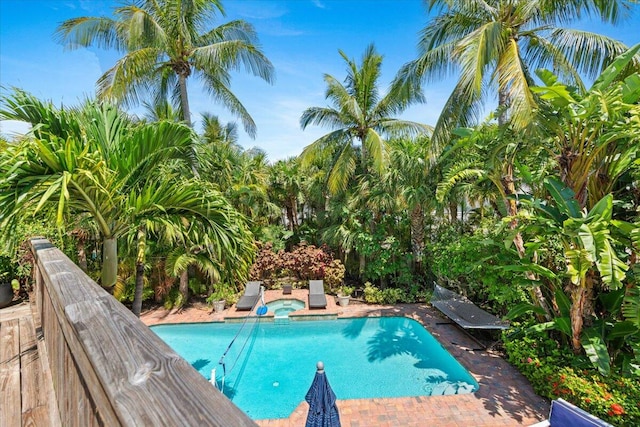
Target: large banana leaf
[[563, 196], [612, 301], [605, 79], [596, 349], [563, 301], [623, 329], [631, 305]]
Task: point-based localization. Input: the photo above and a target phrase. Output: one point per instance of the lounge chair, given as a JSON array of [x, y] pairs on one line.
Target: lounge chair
[[317, 298], [564, 414], [250, 297], [463, 312]]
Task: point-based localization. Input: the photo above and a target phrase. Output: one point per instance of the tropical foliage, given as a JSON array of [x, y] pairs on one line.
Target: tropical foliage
[[96, 162], [534, 213]]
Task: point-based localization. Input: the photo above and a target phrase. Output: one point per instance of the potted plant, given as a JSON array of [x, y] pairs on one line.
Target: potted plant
[[223, 292], [6, 290], [344, 293]]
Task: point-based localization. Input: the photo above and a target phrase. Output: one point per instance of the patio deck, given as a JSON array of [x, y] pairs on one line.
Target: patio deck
[[505, 397], [26, 389]]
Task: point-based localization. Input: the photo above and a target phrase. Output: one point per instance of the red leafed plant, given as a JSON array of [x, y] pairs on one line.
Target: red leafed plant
[[303, 262]]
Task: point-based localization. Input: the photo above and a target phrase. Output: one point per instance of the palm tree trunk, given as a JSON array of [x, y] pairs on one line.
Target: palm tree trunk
[[82, 255], [109, 262], [184, 286], [453, 212], [578, 294], [184, 99], [582, 308], [289, 210], [363, 155], [294, 212], [417, 236], [137, 297], [186, 114]]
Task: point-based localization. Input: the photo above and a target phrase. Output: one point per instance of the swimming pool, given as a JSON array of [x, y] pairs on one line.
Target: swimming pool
[[271, 366]]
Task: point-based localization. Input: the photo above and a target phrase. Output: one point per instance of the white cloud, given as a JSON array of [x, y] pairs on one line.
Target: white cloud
[[318, 4]]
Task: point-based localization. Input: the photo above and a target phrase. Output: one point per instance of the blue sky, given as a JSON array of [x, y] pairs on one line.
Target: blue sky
[[300, 37]]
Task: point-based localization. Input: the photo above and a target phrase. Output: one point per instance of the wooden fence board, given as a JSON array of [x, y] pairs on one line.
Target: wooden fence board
[[52, 414], [10, 374], [33, 392]]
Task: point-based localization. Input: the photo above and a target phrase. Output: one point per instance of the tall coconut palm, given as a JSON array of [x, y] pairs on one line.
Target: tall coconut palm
[[492, 45], [165, 42], [359, 115]]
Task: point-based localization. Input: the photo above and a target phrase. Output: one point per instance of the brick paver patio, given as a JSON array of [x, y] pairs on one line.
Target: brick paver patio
[[505, 397]]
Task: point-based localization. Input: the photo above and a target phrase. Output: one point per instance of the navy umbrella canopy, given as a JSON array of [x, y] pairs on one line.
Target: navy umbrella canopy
[[323, 411]]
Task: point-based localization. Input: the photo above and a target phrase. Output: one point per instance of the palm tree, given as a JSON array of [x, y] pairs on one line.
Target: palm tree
[[165, 42], [214, 131], [285, 187], [198, 222], [496, 43], [359, 115], [96, 161], [412, 176]]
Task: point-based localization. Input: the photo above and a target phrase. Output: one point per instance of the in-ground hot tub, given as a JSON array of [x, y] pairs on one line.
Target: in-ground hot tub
[[282, 307]]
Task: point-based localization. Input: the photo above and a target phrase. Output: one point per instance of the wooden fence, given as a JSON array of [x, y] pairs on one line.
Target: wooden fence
[[110, 369]]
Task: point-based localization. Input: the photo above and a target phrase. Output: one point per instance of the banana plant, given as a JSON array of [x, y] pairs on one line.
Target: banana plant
[[589, 241], [594, 133]]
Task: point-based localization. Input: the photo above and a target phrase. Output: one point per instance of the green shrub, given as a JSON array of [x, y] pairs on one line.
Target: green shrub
[[125, 288], [173, 299], [345, 290], [6, 268], [223, 291], [473, 259], [197, 287], [373, 295], [555, 371]]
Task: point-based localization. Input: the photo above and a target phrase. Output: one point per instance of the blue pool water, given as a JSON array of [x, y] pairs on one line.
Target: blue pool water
[[271, 365]]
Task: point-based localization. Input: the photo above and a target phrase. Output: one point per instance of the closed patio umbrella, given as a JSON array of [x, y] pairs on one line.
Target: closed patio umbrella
[[323, 411]]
